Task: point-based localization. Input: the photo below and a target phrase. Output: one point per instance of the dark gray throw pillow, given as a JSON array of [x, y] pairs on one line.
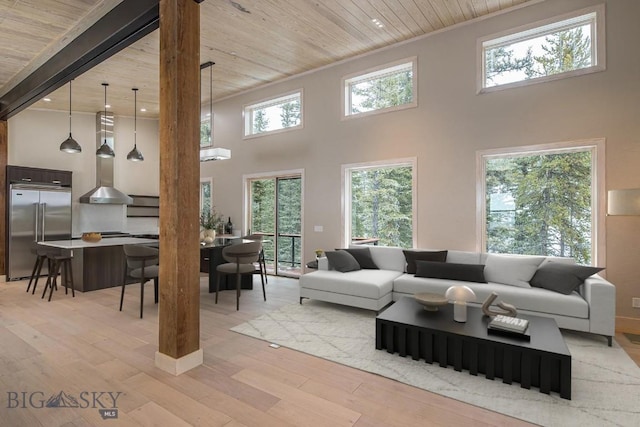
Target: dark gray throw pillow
[[451, 271], [342, 261], [413, 256], [562, 278], [363, 256]]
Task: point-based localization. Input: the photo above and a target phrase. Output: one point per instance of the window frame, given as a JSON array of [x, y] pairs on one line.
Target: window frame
[[598, 192], [247, 114], [345, 92], [598, 44], [345, 184]]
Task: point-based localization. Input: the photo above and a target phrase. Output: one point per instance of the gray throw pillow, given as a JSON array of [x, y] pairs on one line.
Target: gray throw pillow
[[514, 270], [342, 261], [451, 271], [413, 256], [363, 256], [562, 278]]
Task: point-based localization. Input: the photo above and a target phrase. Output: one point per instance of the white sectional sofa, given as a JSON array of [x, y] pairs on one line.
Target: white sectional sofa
[[591, 308]]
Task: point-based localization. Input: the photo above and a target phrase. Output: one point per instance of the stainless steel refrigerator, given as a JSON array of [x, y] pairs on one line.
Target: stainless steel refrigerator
[[36, 213]]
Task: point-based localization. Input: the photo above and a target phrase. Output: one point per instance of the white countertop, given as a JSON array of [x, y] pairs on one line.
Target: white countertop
[[107, 241]]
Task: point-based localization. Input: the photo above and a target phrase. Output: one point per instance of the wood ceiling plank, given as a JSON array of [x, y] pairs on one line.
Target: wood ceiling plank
[[377, 9], [418, 16], [442, 11], [431, 14], [404, 15], [459, 10]]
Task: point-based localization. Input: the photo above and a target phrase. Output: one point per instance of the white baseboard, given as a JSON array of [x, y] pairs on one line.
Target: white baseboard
[[181, 365]]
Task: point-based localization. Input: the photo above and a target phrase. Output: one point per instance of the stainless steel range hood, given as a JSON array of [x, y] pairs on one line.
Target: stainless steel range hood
[[105, 192]]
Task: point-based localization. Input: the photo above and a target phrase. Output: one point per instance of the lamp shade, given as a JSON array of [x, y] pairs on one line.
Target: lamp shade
[[216, 153], [135, 155], [105, 151], [624, 202], [70, 145], [460, 294]]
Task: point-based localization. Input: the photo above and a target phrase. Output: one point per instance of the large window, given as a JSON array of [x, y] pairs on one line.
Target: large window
[[276, 114], [542, 201], [380, 203], [570, 45], [390, 87]]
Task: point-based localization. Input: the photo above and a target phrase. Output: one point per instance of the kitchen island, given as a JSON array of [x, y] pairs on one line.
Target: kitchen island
[[98, 265]]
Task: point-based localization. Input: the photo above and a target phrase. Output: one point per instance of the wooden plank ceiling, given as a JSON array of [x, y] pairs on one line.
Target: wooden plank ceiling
[[252, 42]]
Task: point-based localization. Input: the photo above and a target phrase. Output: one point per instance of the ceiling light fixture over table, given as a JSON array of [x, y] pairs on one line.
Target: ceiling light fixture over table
[[212, 153]]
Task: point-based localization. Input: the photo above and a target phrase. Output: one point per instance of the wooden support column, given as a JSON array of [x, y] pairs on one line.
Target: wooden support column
[[4, 150], [179, 312]]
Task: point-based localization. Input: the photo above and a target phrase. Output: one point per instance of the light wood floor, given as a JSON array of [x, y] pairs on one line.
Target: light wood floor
[[86, 344]]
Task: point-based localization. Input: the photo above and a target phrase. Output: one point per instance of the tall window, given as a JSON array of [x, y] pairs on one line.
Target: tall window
[[390, 87], [380, 203], [276, 114], [542, 202], [568, 46], [206, 195]]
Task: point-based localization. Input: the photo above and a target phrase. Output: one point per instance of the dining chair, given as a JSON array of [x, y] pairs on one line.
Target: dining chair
[[262, 265], [240, 260], [141, 264]]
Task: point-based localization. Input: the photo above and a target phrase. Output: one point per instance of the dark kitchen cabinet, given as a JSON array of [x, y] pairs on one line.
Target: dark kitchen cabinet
[[28, 175]]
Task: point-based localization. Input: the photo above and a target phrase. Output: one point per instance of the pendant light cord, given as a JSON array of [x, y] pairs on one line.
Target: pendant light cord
[[211, 105], [104, 119], [70, 108], [135, 117]]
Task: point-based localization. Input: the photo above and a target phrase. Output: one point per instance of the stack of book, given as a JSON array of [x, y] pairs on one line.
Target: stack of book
[[512, 326]]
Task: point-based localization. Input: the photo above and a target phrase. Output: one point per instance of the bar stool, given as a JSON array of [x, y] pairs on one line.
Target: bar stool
[[60, 264], [41, 257]]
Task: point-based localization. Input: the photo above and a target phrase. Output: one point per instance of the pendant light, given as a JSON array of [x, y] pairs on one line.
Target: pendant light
[[135, 155], [104, 150], [212, 153], [70, 145]]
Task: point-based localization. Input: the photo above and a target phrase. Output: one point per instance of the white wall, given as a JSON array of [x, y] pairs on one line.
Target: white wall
[[446, 130], [34, 140]]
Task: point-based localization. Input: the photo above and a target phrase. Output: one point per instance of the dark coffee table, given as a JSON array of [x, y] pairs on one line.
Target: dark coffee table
[[543, 362]]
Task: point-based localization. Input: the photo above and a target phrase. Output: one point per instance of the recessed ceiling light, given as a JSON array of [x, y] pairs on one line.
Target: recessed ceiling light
[[143, 110], [107, 106], [46, 99], [377, 23]]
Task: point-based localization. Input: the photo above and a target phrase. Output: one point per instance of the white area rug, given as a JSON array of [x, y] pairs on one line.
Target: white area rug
[[605, 381]]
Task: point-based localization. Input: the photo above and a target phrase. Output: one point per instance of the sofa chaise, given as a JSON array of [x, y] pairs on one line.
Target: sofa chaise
[[590, 307]]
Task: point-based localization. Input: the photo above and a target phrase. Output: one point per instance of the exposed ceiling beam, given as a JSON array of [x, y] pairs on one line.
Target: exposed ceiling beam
[[123, 25]]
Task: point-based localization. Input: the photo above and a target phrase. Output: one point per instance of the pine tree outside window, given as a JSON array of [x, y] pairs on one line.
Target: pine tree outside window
[[389, 87], [380, 203], [543, 201], [567, 46], [274, 115]]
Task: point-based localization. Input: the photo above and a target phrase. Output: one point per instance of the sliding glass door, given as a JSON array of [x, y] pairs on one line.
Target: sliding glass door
[[275, 211]]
